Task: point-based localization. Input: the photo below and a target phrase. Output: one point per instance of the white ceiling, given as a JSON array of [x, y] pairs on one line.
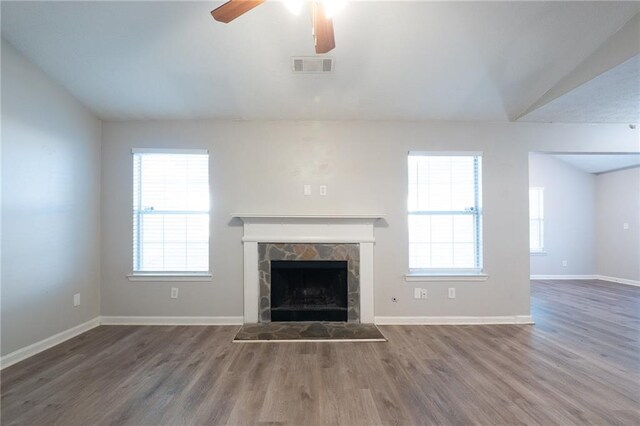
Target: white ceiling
[[591, 102], [394, 60], [601, 163]]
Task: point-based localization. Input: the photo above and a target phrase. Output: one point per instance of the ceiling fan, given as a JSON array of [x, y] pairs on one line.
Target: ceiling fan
[[322, 23]]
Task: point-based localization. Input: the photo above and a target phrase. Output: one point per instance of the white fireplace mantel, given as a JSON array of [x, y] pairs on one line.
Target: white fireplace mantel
[[287, 228]]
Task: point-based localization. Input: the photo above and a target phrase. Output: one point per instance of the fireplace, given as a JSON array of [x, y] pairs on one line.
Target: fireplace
[[324, 237], [309, 290]]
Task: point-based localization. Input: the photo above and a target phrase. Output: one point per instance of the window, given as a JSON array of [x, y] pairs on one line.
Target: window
[[170, 211], [445, 213], [536, 220]]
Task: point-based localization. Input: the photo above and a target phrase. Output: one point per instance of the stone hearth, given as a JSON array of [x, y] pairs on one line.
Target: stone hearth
[[309, 331]]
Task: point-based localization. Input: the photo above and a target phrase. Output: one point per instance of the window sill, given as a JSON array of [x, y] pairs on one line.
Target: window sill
[[184, 277], [445, 277], [538, 253]]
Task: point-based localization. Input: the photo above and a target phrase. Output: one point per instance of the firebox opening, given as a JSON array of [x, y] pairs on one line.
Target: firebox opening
[[308, 290]]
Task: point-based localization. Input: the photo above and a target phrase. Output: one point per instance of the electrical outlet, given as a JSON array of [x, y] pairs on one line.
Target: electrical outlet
[[452, 293], [76, 299], [323, 190], [564, 263], [307, 190], [417, 293], [625, 226], [174, 292], [423, 293]]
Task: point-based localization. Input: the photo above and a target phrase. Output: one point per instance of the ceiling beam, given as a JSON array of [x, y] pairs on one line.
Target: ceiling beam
[[620, 47]]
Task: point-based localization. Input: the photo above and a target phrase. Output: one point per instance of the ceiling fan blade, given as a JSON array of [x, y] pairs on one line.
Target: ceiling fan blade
[[322, 29], [233, 8]]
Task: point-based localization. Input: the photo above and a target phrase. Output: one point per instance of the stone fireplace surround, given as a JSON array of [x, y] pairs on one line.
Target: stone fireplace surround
[[356, 231], [298, 251]]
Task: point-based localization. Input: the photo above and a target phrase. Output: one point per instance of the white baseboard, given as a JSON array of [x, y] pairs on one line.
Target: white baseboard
[[564, 277], [56, 339], [28, 351], [618, 280], [511, 319], [136, 320]]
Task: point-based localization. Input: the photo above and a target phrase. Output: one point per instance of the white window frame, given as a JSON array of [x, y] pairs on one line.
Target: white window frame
[[184, 276], [455, 274], [538, 218]]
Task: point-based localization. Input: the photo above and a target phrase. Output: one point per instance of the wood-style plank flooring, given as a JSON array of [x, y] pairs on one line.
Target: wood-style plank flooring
[[580, 364]]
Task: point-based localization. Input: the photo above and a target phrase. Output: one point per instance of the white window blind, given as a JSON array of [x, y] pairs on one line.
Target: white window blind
[[445, 213], [170, 211], [536, 219]]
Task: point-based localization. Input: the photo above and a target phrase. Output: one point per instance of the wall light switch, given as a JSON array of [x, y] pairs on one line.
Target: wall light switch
[[76, 299], [323, 190], [307, 190], [625, 226], [423, 293], [174, 292], [416, 293], [452, 293]]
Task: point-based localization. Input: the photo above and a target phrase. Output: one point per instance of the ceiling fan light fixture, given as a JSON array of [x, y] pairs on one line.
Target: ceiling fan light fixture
[[333, 7], [294, 6], [323, 36]]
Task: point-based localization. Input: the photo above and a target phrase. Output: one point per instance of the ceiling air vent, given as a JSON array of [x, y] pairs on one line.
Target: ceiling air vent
[[311, 65]]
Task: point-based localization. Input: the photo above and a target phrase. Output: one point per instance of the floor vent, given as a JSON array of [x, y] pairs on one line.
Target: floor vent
[[311, 65]]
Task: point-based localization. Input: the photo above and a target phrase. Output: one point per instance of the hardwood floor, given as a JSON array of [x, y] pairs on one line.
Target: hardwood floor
[[580, 364]]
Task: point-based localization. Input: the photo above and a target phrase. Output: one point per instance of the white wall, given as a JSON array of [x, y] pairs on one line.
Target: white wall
[[617, 203], [569, 210], [50, 206], [260, 167]]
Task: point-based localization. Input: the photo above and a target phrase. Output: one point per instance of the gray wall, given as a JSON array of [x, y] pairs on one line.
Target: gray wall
[[52, 195], [617, 203], [569, 209], [50, 206], [260, 167]]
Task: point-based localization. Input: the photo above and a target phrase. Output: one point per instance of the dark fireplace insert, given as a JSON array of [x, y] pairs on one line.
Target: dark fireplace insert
[[308, 290]]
